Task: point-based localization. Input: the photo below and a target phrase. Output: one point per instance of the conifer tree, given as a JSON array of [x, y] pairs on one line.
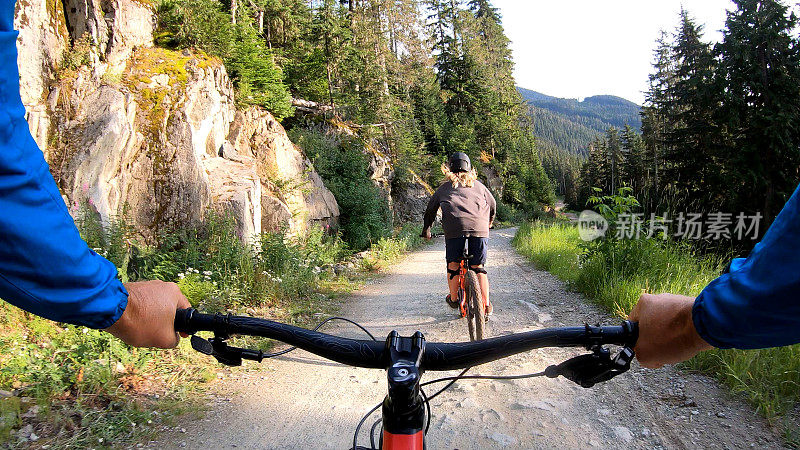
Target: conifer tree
[[655, 126], [760, 71], [633, 167], [692, 149], [613, 151]]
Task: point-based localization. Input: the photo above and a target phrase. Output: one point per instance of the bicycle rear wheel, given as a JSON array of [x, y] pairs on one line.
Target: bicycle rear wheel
[[476, 314]]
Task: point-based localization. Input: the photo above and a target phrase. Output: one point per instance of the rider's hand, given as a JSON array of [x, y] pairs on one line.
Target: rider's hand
[[426, 234], [149, 318], [666, 330]]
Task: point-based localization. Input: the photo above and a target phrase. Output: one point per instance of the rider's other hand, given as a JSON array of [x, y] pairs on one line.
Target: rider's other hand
[[149, 318], [666, 330], [427, 234]]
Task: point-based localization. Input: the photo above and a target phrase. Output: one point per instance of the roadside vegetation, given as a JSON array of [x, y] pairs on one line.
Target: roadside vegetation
[[68, 386], [613, 273]]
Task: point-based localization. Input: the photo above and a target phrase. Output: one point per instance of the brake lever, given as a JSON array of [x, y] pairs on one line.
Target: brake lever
[[224, 353], [596, 367]]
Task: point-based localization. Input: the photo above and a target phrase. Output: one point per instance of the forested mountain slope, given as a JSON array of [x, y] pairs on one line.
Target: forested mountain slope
[[564, 128], [569, 124]]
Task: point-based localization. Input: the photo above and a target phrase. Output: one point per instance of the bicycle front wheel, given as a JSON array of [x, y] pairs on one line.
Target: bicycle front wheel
[[476, 316]]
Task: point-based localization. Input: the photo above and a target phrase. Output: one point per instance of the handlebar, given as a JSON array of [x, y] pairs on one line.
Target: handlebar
[[376, 354]]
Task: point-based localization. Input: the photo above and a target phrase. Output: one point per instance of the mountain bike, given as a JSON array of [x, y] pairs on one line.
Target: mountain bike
[[405, 411], [470, 301]]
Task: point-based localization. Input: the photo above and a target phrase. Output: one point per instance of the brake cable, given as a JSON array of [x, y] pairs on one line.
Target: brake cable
[[361, 423], [372, 433]]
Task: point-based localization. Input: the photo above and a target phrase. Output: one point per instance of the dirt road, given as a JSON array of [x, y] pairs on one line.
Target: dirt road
[[302, 401]]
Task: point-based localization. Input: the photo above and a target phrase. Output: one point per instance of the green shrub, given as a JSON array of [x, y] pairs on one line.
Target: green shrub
[[321, 248], [211, 246], [387, 250], [365, 217], [198, 288]]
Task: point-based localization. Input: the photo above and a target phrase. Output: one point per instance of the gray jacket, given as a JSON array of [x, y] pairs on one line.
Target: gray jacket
[[466, 211]]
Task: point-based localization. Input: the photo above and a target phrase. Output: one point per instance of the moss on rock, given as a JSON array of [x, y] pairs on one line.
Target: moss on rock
[[156, 99], [148, 62]]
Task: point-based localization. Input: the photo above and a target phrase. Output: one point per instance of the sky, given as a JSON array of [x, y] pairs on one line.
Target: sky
[[580, 48]]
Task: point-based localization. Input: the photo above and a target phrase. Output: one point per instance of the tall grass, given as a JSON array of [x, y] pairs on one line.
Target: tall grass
[[85, 387], [387, 250], [615, 273]]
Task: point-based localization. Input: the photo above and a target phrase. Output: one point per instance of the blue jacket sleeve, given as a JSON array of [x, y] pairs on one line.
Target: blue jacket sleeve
[[757, 303], [45, 266]]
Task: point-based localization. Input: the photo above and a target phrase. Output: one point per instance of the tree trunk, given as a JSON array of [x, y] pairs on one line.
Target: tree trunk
[[379, 53], [330, 85], [328, 55], [311, 107], [269, 36], [234, 8]]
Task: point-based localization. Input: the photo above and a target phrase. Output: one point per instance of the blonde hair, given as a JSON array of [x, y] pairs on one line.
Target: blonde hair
[[466, 179]]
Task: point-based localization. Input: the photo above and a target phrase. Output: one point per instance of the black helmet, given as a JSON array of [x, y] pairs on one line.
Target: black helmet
[[459, 162]]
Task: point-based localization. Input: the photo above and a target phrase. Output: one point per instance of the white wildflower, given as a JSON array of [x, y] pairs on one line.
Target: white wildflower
[[207, 273]]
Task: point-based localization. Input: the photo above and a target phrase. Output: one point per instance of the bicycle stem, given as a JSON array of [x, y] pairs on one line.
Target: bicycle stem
[[403, 409]]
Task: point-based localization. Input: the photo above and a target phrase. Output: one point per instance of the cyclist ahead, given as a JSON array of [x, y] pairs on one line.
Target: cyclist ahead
[[468, 210]]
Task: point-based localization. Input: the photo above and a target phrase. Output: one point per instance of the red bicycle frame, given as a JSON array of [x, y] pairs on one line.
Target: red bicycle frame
[[462, 287], [403, 441]]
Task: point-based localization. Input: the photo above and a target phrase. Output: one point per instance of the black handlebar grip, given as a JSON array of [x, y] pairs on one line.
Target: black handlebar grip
[[183, 319], [633, 331]]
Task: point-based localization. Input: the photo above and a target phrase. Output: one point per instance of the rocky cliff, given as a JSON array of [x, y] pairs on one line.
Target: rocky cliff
[[154, 134]]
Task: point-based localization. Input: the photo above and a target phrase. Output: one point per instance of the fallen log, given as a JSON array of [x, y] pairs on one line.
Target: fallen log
[[310, 107]]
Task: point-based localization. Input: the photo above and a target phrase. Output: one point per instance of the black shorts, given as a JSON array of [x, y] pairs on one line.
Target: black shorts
[[478, 249]]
